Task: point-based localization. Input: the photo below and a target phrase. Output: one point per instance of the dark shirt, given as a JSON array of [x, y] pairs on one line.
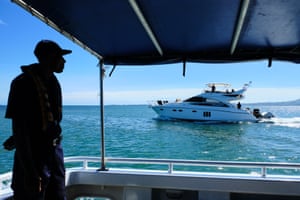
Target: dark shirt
[[29, 109]]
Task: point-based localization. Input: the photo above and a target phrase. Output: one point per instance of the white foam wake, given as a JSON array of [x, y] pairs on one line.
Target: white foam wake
[[293, 122]]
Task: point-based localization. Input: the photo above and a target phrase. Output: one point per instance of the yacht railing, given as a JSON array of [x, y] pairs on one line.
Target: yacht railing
[[263, 167]]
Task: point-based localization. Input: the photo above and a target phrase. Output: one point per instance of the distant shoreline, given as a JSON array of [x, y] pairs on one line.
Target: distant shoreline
[[280, 103]]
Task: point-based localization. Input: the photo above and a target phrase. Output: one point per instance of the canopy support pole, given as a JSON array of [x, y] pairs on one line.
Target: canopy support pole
[[184, 67], [270, 62], [113, 69], [146, 26], [101, 74], [50, 23], [238, 28]]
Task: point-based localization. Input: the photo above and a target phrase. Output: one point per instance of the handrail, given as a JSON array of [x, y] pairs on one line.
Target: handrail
[[263, 166], [86, 160], [5, 181]]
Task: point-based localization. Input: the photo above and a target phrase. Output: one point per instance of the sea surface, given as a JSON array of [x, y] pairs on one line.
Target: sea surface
[[133, 131]]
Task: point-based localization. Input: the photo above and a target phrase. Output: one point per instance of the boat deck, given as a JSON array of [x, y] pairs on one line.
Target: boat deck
[[147, 184], [161, 179]]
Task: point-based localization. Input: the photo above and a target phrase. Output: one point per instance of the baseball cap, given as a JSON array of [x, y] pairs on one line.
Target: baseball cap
[[45, 47]]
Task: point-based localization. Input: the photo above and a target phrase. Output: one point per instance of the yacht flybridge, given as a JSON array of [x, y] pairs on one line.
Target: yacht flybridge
[[212, 105], [148, 32]]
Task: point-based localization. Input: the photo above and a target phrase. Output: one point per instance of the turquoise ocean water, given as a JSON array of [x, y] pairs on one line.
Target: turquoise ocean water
[[133, 131]]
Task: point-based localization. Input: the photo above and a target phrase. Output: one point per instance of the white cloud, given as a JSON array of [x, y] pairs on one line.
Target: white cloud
[[144, 97], [81, 98], [272, 94], [253, 95]]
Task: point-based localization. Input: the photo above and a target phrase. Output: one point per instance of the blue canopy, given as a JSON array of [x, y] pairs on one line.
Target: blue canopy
[[142, 32]]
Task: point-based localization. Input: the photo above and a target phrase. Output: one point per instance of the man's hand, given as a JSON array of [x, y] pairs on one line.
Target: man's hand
[[9, 144]]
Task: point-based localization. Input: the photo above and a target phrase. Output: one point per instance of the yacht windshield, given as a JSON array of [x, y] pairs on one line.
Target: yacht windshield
[[204, 101], [196, 99]]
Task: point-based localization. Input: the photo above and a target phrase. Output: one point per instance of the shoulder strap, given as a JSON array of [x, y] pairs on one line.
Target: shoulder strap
[[47, 115]]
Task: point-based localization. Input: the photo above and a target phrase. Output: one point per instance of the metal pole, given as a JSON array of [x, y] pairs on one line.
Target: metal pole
[[239, 26], [101, 66]]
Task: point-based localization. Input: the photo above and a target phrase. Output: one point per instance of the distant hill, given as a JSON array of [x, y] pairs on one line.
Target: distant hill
[[283, 103]]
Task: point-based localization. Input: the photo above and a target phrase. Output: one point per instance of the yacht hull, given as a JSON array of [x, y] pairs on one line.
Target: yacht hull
[[181, 111]]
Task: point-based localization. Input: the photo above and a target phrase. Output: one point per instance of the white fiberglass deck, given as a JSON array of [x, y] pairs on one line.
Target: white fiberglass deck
[[130, 179], [183, 179]]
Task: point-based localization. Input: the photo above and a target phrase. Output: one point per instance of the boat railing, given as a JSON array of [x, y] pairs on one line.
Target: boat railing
[[262, 168], [88, 163], [5, 182]]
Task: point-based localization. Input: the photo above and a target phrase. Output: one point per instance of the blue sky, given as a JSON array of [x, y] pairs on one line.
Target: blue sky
[[132, 85]]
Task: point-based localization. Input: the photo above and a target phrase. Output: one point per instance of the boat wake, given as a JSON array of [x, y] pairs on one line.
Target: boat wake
[[293, 122]]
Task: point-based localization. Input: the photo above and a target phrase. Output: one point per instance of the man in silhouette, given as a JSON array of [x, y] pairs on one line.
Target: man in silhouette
[[35, 107]]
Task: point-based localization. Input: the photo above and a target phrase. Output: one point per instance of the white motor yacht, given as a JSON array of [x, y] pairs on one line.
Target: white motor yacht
[[212, 105]]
